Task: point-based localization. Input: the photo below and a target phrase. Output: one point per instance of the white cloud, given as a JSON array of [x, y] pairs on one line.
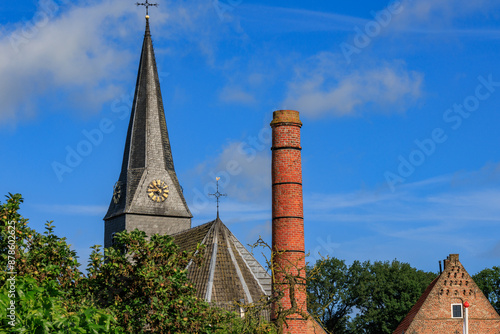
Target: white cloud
[[243, 170], [460, 198], [494, 252], [280, 19], [66, 56], [438, 15], [422, 16], [73, 56], [257, 231], [232, 94], [456, 213], [321, 87], [87, 210]]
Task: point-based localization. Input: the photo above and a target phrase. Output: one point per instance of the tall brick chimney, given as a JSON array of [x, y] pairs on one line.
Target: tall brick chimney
[[288, 217]]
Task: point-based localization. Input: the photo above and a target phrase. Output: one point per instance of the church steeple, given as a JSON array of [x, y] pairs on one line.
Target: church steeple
[[147, 195]]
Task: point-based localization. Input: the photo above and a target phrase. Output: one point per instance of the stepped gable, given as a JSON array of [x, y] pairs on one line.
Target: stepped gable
[[433, 312], [228, 271]]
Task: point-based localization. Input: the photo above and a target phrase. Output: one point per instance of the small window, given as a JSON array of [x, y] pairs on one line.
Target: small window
[[113, 238], [456, 310]]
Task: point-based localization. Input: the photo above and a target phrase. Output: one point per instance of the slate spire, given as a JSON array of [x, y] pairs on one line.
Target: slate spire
[[147, 195]]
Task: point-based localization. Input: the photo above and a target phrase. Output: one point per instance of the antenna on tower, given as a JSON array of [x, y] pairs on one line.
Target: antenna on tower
[[217, 195]]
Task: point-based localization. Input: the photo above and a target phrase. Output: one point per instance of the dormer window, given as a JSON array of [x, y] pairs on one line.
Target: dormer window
[[456, 310]]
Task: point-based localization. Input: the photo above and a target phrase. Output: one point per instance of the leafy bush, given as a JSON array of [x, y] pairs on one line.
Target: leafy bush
[[364, 297], [145, 283], [488, 280], [139, 285], [39, 308]]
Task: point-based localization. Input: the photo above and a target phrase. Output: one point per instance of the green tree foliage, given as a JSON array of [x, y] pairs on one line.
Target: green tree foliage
[[42, 256], [488, 280], [139, 286], [392, 289], [364, 297], [145, 283], [333, 294], [39, 308], [46, 273]]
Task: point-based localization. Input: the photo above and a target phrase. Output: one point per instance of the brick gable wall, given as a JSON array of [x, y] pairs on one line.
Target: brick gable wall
[[453, 286]]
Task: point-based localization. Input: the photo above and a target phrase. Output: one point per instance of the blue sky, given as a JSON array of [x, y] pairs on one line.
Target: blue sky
[[399, 100]]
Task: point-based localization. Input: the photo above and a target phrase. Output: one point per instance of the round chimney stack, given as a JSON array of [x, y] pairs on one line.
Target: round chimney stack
[[288, 216]]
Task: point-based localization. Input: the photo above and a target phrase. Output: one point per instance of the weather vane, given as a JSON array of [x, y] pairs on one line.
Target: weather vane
[[147, 5], [218, 195]]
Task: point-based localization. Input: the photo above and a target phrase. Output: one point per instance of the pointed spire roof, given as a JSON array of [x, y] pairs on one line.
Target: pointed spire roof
[[147, 155], [228, 272]]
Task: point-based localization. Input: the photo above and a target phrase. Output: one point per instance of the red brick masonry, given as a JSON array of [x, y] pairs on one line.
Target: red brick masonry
[[288, 216], [432, 312]]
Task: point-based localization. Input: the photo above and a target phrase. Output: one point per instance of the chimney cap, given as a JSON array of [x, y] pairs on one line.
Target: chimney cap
[[286, 116]]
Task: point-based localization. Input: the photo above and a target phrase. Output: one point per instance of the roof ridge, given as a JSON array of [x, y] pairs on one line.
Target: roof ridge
[[193, 228], [405, 323], [226, 233], [247, 264]]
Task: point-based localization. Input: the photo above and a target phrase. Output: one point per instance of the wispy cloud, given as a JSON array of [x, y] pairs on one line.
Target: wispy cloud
[[321, 87], [422, 17], [445, 17], [86, 210], [75, 54], [280, 19], [243, 169], [493, 252], [232, 94], [459, 197], [455, 213], [476, 33], [67, 51]]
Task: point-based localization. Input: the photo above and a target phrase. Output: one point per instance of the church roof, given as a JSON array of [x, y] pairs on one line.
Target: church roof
[[228, 272], [147, 155]]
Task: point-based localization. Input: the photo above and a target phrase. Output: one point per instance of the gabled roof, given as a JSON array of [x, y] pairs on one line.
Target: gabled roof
[[403, 326], [432, 312], [228, 271], [147, 155]]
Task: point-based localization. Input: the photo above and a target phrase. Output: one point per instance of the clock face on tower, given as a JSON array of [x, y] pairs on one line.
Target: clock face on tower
[[157, 191], [117, 192]]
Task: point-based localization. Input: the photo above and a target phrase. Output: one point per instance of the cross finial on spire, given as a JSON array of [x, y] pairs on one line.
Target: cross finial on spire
[[218, 195], [147, 5]]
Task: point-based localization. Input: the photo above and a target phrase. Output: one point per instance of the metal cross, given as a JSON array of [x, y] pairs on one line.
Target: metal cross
[[218, 195], [147, 5]]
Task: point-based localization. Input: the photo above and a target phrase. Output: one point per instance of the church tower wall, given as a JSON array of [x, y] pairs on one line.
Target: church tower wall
[[147, 223]]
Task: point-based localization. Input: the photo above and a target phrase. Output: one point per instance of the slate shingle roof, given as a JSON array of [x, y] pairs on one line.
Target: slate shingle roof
[[228, 271], [147, 151]]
